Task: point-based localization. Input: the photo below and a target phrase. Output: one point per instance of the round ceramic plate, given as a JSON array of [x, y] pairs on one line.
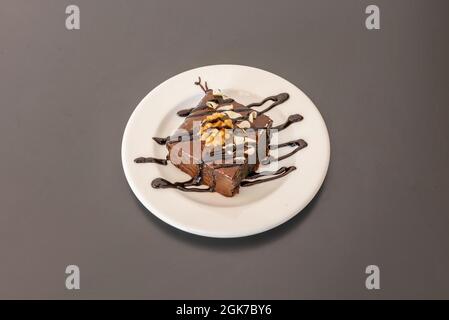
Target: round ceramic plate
[[254, 209]]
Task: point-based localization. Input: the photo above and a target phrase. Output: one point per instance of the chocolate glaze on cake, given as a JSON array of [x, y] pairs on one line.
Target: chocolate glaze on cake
[[216, 112]]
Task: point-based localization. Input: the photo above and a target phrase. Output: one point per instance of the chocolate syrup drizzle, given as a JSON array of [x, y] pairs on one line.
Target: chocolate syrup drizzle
[[176, 138], [161, 141], [255, 178], [184, 112], [186, 186], [291, 119], [205, 87], [192, 184], [151, 160], [277, 100], [299, 144]]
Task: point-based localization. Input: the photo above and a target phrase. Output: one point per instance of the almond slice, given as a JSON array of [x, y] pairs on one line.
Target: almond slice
[[244, 124], [212, 104], [232, 114], [252, 116]]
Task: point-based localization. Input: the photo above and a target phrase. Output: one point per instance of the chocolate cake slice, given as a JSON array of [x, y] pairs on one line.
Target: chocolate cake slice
[[221, 144], [222, 123]]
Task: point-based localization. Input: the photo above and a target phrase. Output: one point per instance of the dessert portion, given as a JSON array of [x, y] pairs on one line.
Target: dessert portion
[[221, 144]]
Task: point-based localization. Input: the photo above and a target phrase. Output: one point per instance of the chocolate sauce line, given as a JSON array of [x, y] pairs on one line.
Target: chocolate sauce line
[[253, 179], [277, 100], [161, 141], [300, 144], [184, 112], [186, 186], [160, 183], [164, 162], [151, 160], [218, 100], [223, 156], [257, 175], [205, 88], [210, 112], [192, 184], [293, 143], [177, 138], [291, 119]]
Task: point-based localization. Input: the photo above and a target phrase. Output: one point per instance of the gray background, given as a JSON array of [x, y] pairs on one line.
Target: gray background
[[67, 95]]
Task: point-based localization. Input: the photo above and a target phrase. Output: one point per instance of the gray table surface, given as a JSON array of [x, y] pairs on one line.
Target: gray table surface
[[67, 95]]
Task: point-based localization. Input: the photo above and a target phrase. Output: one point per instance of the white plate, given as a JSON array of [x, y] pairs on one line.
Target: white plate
[[255, 209]]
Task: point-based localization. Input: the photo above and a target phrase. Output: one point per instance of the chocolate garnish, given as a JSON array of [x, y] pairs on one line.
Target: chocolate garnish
[[184, 112], [254, 178], [300, 144], [161, 141], [291, 119], [186, 186], [204, 88], [151, 160], [176, 138], [160, 183], [277, 100]]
